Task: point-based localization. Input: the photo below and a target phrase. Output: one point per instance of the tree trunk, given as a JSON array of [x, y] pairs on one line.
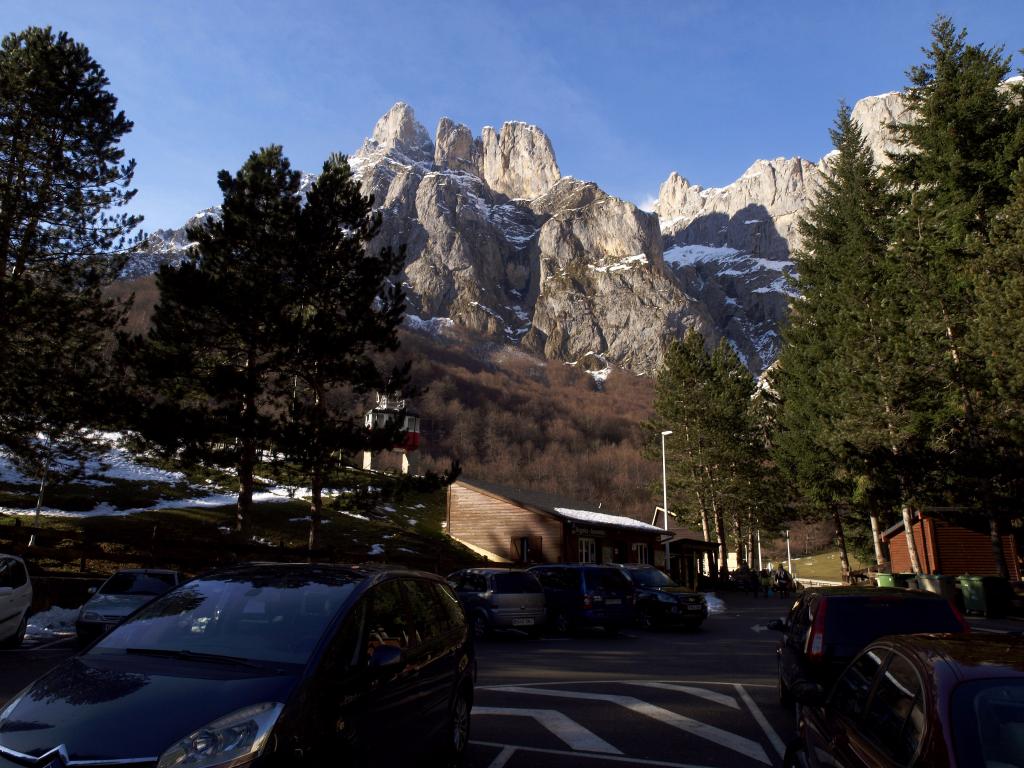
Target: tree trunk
[[908, 530], [876, 537], [997, 546], [246, 469], [737, 530], [723, 544], [844, 557], [316, 506]]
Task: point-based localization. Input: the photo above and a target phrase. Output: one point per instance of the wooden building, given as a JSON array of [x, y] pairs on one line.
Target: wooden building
[[512, 525], [949, 549], [691, 556]]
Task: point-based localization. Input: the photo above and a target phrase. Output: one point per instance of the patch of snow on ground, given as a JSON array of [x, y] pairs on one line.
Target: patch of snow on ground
[[52, 622], [113, 464], [623, 264], [688, 255], [412, 521], [715, 603]]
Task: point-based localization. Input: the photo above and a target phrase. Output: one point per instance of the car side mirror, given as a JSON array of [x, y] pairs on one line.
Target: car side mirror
[[808, 694], [93, 590], [777, 625], [385, 658]]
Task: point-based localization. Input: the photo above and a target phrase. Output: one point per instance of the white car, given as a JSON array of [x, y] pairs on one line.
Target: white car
[[15, 600]]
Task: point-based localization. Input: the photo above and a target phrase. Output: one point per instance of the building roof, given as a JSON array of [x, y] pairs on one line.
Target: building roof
[[569, 510]]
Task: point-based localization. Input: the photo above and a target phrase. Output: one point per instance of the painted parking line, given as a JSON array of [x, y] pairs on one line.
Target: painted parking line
[[755, 710], [744, 746], [703, 693], [562, 726], [508, 750]]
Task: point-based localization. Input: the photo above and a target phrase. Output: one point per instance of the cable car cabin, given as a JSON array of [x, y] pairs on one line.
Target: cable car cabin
[[380, 418]]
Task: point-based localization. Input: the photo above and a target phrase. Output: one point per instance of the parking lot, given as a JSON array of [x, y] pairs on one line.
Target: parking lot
[[657, 698]]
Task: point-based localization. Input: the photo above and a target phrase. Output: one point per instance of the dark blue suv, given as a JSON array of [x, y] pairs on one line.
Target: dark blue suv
[[581, 595]]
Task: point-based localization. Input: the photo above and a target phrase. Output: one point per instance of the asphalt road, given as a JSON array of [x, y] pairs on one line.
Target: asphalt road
[[643, 698]]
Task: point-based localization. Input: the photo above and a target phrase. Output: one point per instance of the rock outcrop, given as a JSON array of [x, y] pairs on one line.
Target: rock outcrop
[[518, 161]]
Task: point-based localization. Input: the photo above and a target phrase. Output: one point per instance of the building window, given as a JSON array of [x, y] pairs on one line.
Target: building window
[[641, 553], [588, 551]]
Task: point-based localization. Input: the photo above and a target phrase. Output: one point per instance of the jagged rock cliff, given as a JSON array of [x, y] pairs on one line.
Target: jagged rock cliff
[[500, 243]]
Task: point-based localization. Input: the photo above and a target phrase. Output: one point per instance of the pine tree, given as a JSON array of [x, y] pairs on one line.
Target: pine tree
[[342, 309], [63, 237], [215, 354], [963, 136]]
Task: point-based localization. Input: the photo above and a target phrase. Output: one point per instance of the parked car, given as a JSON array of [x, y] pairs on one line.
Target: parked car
[[828, 626], [500, 598], [580, 595], [662, 602], [15, 600], [262, 665], [120, 596], [927, 700]]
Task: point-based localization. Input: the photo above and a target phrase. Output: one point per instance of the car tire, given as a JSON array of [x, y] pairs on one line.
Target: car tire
[[481, 627], [15, 640], [646, 620], [457, 737]]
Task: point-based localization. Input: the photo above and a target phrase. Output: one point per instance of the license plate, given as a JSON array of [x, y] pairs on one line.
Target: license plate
[[613, 601], [522, 622], [693, 607]]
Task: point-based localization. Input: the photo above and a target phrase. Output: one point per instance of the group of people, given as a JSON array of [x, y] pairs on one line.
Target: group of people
[[765, 581]]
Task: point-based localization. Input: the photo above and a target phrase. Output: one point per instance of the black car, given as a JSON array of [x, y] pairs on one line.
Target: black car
[[261, 665], [828, 626], [662, 602], [579, 595]]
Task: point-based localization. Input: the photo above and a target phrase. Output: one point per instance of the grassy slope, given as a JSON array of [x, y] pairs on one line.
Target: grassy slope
[[824, 566]]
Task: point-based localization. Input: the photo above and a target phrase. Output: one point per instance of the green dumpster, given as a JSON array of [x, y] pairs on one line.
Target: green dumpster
[[986, 595], [940, 585], [884, 580]]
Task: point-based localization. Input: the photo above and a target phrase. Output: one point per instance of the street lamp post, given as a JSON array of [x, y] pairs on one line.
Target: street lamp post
[[664, 498]]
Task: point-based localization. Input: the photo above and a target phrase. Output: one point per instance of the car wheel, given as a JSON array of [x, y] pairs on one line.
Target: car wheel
[[15, 640], [481, 627], [612, 630], [646, 620], [458, 731]]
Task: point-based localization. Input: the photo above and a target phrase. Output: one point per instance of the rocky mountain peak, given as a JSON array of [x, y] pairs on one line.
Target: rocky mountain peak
[[398, 130], [518, 161], [455, 148]]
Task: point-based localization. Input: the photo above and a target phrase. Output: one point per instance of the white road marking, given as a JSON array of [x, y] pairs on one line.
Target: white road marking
[[755, 710], [723, 738], [577, 755], [503, 757], [562, 726], [759, 628], [620, 681], [703, 693], [975, 628]]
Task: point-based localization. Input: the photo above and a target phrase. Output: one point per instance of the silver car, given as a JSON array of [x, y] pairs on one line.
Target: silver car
[[119, 596], [500, 598], [15, 600]]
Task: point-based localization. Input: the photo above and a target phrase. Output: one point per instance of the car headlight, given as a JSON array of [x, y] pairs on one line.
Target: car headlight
[[226, 741], [666, 598]]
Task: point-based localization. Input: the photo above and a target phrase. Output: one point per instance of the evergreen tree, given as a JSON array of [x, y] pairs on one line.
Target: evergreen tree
[[212, 362], [964, 135], [342, 309], [63, 237]]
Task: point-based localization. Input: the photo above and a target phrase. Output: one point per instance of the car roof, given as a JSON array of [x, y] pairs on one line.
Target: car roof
[[968, 656], [145, 570], [370, 573], [894, 592], [491, 570]]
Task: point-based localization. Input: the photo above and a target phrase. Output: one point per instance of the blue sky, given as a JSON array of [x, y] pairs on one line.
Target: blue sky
[[627, 91]]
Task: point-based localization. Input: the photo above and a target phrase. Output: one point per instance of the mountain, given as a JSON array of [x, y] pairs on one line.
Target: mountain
[[499, 243]]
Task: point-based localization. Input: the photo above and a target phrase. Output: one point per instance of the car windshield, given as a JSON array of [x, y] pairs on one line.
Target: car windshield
[[611, 579], [650, 577], [516, 582], [137, 584], [989, 722], [857, 621], [276, 617]]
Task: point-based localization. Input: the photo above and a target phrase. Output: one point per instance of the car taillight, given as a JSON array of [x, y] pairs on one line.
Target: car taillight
[[588, 601], [815, 648]]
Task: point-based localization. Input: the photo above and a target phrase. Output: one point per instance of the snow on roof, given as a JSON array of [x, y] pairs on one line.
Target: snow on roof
[[602, 518]]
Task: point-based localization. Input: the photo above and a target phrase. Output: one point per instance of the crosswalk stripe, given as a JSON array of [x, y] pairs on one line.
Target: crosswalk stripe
[[723, 738], [634, 761], [755, 710], [561, 725]]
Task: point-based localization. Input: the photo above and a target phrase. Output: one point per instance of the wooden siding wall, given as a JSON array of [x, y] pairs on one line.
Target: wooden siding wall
[[951, 550], [490, 523]]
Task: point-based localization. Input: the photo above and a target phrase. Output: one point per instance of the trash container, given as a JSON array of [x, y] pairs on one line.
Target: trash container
[[904, 580], [885, 580], [940, 585], [987, 595]]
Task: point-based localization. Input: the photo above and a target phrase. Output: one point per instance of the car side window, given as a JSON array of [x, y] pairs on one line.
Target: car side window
[[477, 583], [5, 572], [348, 650], [896, 717], [427, 618], [18, 575], [850, 695], [387, 622], [450, 609]]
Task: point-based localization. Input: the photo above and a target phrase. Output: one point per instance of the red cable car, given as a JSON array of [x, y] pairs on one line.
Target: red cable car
[[387, 412]]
